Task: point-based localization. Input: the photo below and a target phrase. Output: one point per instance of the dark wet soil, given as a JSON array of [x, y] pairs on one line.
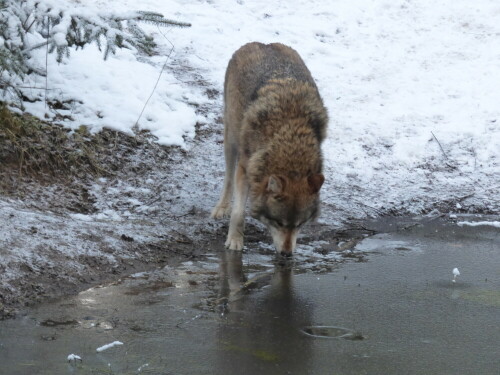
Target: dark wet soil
[[47, 169], [35, 286], [48, 282]]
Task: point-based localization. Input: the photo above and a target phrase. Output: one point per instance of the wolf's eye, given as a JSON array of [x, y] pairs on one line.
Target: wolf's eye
[[278, 197]]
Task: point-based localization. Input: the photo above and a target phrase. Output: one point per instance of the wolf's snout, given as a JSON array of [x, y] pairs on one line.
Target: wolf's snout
[[289, 244], [284, 240]]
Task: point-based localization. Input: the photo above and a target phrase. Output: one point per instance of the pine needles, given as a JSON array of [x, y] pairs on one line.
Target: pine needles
[[159, 20]]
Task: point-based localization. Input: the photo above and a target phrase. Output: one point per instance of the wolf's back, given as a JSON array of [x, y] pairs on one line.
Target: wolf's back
[[255, 64]]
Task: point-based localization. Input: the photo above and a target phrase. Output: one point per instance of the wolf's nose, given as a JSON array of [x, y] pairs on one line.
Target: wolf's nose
[[288, 255]]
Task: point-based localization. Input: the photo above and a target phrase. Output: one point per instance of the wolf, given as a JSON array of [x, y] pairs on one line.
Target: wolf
[[274, 124]]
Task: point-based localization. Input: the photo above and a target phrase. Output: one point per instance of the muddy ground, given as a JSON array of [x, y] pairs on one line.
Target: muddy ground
[[132, 206], [94, 207]]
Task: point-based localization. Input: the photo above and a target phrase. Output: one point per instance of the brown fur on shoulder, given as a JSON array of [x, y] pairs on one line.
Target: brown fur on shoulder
[[282, 131]]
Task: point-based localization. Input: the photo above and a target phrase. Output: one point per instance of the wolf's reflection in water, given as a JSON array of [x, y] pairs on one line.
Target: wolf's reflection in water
[[261, 319]]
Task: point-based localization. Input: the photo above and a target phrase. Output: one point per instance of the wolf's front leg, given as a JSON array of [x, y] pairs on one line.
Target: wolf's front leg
[[223, 207], [236, 224]]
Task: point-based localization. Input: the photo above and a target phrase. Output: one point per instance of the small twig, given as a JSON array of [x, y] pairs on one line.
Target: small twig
[[36, 88], [376, 210], [136, 126], [184, 322], [441, 147], [464, 197], [29, 27], [448, 164], [47, 63], [27, 50], [435, 218]]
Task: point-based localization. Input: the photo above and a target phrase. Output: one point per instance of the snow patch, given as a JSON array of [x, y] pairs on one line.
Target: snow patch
[[74, 357], [81, 217], [112, 93], [495, 224], [108, 346]]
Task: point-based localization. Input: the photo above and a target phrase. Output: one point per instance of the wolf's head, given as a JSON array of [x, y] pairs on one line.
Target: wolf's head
[[284, 205]]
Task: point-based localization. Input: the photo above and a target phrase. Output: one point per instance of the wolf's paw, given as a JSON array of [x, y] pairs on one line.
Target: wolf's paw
[[234, 242], [220, 211]]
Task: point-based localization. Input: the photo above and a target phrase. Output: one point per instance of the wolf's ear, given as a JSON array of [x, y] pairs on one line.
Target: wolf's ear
[[275, 184], [315, 182]]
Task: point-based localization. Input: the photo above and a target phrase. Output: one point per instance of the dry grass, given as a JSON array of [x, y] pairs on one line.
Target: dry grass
[[53, 168], [36, 148]]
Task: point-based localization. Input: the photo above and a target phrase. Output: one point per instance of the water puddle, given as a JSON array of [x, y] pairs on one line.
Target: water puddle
[[250, 313]]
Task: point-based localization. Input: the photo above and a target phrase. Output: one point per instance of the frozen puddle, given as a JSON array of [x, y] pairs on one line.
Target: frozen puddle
[[383, 243], [249, 313], [332, 333]]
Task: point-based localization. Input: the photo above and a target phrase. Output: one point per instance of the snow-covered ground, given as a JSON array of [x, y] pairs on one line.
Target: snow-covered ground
[[411, 88]]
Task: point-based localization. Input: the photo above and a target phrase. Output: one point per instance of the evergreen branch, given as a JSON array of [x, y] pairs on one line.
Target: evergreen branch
[[27, 51], [63, 29], [159, 20]]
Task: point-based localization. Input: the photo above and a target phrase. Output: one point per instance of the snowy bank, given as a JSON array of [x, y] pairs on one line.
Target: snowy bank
[[410, 88]]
